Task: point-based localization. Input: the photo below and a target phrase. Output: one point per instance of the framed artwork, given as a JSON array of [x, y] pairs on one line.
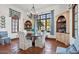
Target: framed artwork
[[2, 22]]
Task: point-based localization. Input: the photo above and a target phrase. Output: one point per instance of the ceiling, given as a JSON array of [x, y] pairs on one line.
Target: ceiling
[[38, 7], [27, 7]]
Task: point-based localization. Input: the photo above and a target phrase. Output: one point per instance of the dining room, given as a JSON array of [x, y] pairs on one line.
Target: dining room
[[37, 28]]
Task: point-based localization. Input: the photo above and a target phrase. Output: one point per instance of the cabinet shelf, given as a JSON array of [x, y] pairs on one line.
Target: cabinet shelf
[[61, 24]]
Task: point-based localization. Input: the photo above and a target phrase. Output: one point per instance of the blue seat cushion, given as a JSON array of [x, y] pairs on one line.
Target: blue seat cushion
[[5, 38], [3, 34]]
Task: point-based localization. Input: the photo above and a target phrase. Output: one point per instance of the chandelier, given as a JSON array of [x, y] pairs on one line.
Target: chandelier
[[32, 12]]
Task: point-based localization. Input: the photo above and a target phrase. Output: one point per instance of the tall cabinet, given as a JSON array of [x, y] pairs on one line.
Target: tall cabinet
[[62, 28]]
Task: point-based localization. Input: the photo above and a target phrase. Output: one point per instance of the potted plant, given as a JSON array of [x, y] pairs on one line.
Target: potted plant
[[40, 24]]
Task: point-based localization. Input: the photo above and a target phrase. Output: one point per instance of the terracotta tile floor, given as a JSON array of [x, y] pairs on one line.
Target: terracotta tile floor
[[50, 48]]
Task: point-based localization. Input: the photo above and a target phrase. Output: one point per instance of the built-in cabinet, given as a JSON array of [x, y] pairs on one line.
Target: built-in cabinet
[[63, 37], [62, 28], [28, 25], [61, 24]]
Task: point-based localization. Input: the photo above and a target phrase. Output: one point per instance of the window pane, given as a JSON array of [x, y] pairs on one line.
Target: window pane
[[48, 15], [45, 19], [76, 25], [76, 9], [39, 17], [76, 33], [75, 13], [43, 16], [76, 17], [15, 25]]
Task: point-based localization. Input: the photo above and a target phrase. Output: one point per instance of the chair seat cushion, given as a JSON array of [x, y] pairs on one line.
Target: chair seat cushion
[[61, 50], [5, 38]]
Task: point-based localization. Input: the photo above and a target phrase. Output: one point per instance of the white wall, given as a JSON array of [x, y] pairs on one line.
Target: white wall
[[58, 9], [78, 19], [4, 11]]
